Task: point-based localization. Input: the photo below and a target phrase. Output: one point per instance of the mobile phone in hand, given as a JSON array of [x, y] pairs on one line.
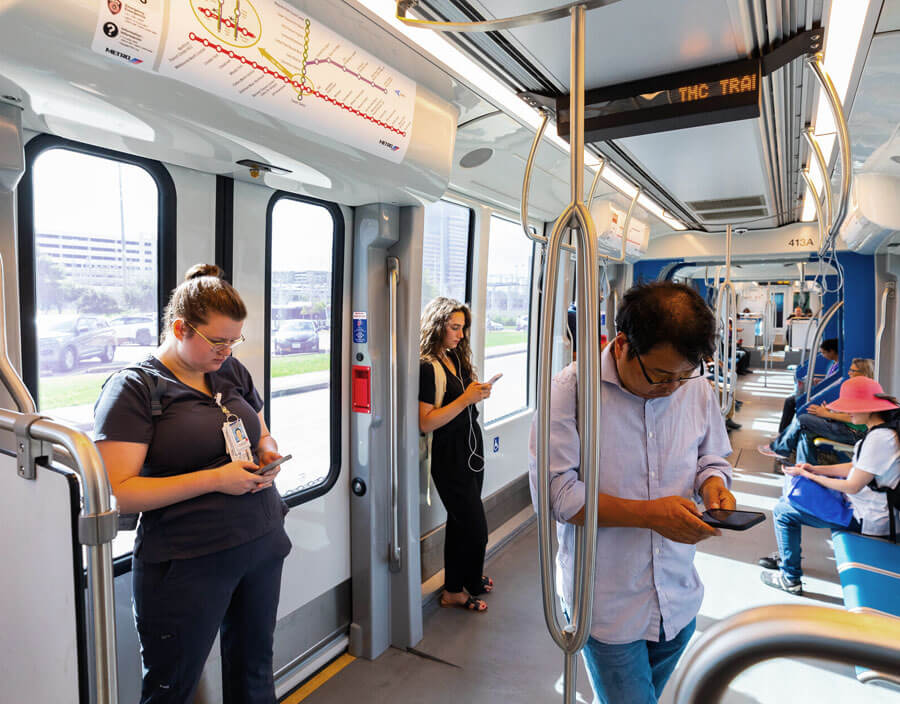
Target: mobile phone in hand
[[731, 520], [273, 465], [494, 378]]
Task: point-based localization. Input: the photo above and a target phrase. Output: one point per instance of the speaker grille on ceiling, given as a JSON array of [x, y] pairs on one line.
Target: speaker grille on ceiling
[[740, 214], [727, 203]]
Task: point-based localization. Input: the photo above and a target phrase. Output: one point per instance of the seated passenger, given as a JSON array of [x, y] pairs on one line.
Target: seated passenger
[[829, 350], [876, 457], [663, 442], [819, 422]]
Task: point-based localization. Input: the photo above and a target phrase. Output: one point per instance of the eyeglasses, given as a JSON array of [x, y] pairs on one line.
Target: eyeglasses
[[670, 380], [217, 346], [854, 370]]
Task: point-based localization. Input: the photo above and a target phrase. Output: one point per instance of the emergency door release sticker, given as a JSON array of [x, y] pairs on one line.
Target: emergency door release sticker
[[272, 57]]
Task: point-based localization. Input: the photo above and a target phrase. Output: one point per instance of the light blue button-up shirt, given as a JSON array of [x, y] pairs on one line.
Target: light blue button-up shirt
[[649, 449]]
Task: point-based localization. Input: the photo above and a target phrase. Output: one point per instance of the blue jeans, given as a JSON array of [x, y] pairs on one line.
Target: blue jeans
[[634, 673], [805, 428], [788, 523]]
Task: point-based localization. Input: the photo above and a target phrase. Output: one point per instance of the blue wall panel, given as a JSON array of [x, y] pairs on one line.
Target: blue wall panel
[[859, 307]]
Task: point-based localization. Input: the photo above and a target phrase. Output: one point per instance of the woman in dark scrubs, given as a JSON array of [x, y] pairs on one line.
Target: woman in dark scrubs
[[211, 541], [457, 455]]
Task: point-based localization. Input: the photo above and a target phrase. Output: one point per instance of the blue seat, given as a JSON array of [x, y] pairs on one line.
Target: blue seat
[[865, 590], [863, 550]]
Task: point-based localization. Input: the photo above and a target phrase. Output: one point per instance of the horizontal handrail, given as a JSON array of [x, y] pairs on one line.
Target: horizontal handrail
[[524, 20], [753, 636]]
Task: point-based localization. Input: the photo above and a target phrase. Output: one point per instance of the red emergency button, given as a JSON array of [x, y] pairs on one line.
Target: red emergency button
[[361, 389]]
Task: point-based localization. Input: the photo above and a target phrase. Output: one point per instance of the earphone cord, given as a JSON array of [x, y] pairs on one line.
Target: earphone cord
[[473, 437]]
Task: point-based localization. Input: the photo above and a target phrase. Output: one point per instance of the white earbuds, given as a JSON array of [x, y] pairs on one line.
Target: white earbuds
[[473, 437]]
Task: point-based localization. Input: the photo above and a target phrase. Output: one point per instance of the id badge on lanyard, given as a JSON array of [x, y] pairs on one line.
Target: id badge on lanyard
[[236, 440]]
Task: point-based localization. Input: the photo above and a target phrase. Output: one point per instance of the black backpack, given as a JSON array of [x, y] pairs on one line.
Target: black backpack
[[153, 382], [892, 493]]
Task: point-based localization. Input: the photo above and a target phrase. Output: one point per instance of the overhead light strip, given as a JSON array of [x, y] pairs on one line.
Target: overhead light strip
[[842, 37], [502, 97]]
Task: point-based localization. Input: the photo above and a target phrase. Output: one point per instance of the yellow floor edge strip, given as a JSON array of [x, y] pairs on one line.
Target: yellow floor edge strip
[[318, 680]]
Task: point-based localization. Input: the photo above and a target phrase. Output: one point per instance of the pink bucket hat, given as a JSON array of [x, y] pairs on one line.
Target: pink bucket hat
[[862, 395]]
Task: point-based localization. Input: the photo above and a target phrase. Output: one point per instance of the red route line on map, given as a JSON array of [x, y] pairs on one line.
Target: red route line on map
[[274, 74], [213, 15]]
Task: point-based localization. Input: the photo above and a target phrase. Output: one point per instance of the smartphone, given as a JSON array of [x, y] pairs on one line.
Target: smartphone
[[494, 378], [272, 465], [732, 520]]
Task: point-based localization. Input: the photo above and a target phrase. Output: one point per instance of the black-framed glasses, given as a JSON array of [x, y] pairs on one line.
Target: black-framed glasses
[[218, 346], [701, 370]]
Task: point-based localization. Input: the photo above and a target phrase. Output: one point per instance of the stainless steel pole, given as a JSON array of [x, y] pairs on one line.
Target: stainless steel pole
[[393, 267]]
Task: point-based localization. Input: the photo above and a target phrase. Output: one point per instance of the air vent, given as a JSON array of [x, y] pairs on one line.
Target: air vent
[[732, 215], [726, 203]]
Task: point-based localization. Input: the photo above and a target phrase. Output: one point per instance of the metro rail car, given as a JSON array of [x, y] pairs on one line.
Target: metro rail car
[[519, 287]]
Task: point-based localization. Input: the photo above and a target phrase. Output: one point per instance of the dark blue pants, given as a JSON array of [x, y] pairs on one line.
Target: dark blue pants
[[180, 606]]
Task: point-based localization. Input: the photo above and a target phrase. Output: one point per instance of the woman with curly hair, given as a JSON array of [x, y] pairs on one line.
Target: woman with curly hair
[[448, 392]]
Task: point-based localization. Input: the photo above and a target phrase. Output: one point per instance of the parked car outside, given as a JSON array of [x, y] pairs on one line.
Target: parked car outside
[[135, 329], [522, 322], [66, 342], [296, 336], [493, 325]]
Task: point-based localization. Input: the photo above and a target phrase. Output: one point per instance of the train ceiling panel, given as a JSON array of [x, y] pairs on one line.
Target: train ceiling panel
[[875, 118], [640, 39]]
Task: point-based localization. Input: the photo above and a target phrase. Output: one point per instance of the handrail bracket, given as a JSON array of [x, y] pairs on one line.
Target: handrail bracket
[[30, 450]]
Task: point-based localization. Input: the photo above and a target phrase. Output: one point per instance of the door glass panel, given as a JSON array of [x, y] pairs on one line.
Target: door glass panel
[[445, 251], [507, 324]]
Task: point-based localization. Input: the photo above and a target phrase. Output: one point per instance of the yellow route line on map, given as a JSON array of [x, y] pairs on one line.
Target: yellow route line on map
[[281, 68]]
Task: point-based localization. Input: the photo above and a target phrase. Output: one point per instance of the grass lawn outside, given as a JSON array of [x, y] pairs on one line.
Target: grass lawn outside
[[495, 338], [291, 364], [69, 390]]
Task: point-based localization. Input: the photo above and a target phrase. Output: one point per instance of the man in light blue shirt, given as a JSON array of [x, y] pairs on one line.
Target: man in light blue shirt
[[662, 443]]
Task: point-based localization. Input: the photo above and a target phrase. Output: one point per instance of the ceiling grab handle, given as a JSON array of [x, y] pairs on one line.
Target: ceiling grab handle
[[840, 121], [573, 636], [821, 218], [825, 223], [553, 13], [393, 267], [20, 394], [600, 166], [812, 350], [879, 337], [767, 632], [526, 187]]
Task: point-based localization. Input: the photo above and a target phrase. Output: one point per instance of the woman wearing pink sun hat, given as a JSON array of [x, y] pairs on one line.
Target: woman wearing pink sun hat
[[875, 457]]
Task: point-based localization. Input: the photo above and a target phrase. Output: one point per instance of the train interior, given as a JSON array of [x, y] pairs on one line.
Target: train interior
[[344, 165]]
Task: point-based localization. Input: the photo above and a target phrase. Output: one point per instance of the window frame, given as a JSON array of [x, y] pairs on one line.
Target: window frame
[[529, 398], [337, 322], [166, 228]]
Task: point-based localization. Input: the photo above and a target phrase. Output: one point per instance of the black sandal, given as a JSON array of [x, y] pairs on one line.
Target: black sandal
[[487, 585], [470, 604]]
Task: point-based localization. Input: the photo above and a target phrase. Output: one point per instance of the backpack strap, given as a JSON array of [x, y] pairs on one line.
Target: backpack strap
[[892, 493], [440, 383]]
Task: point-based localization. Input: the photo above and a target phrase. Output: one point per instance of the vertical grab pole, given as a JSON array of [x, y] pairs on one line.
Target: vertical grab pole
[[816, 340], [393, 267], [726, 344], [20, 394], [768, 312], [572, 637]]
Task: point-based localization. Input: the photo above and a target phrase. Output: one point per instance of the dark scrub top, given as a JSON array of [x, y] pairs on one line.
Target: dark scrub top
[[187, 437], [451, 444]]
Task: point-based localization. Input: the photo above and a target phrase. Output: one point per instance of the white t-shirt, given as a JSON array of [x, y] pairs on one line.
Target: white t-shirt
[[880, 456]]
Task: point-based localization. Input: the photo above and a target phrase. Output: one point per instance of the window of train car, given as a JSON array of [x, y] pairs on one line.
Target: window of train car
[[507, 322], [305, 290], [91, 224], [445, 251]]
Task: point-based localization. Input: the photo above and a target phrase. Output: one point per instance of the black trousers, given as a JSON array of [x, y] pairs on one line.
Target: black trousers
[[465, 538], [180, 606], [787, 413]]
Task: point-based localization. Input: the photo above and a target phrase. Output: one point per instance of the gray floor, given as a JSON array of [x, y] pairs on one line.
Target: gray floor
[[506, 655]]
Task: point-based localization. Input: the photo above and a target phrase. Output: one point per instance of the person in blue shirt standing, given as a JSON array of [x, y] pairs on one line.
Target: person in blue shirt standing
[[211, 541], [663, 443]]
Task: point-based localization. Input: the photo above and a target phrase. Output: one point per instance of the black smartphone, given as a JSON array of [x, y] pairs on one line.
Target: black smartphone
[[732, 520], [272, 465]]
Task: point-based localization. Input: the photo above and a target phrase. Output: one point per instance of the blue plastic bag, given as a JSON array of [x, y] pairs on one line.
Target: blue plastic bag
[[819, 501]]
